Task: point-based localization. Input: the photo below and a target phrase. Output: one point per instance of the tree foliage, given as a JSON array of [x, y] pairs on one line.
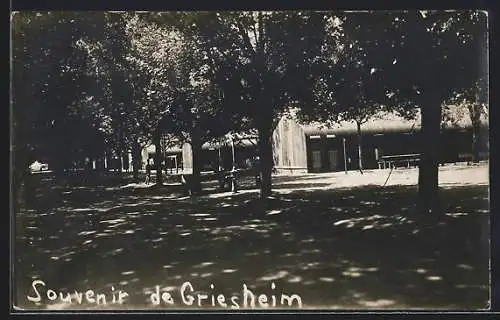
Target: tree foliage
[[261, 61]]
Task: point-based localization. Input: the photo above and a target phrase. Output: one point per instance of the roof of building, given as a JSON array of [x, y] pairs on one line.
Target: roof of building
[[382, 123], [375, 125], [239, 141]]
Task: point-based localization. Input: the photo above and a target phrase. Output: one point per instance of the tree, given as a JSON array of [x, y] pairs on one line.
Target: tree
[[263, 60], [471, 104], [423, 57], [47, 79], [112, 89], [125, 109], [348, 87], [182, 83]]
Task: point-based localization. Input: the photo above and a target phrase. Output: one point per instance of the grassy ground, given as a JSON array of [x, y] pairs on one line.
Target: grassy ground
[[335, 243]]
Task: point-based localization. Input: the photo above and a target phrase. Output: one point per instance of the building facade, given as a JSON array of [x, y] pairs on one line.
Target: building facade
[[307, 148]]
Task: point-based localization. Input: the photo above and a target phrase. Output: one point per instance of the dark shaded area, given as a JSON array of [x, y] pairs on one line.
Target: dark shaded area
[[345, 248]]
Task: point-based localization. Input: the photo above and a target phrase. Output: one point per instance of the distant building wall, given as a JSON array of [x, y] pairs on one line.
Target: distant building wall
[[187, 158], [315, 148], [289, 148]]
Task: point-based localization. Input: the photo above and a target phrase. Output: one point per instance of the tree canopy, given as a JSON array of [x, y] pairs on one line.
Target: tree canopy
[[97, 81]]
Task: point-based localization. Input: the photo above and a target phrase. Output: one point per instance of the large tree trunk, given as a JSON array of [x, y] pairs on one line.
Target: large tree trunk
[[428, 187], [105, 161], [158, 158], [195, 183], [266, 157], [136, 160], [360, 147], [120, 151], [475, 115], [125, 160], [20, 172], [475, 145], [120, 161]]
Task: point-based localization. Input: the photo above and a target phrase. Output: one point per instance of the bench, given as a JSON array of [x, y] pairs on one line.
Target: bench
[[394, 160], [229, 179]]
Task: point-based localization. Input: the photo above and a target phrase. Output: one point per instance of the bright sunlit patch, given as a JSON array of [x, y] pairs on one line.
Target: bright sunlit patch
[[421, 270], [81, 209], [200, 214], [115, 221], [135, 213], [279, 275], [116, 251], [456, 214], [464, 266], [434, 278], [311, 251], [380, 303], [124, 273], [273, 212], [351, 274], [229, 270], [368, 202], [295, 279], [326, 279], [205, 264], [224, 238]]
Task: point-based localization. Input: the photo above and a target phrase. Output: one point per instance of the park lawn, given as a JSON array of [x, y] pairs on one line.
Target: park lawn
[[337, 246]]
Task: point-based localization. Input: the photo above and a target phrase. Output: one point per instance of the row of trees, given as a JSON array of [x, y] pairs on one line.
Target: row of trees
[[99, 82]]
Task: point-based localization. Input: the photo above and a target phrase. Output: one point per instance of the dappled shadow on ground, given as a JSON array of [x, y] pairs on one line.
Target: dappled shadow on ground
[[336, 248]]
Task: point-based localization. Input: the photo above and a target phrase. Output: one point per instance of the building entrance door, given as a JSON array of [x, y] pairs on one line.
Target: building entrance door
[[333, 158], [316, 160]]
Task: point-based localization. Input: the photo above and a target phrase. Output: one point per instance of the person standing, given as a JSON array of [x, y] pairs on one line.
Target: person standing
[[148, 172]]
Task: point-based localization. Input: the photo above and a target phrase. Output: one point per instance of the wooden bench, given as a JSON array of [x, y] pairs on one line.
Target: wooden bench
[[394, 160], [229, 179]]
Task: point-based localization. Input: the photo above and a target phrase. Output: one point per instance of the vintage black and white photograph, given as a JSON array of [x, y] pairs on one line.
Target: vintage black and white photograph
[[239, 160]]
